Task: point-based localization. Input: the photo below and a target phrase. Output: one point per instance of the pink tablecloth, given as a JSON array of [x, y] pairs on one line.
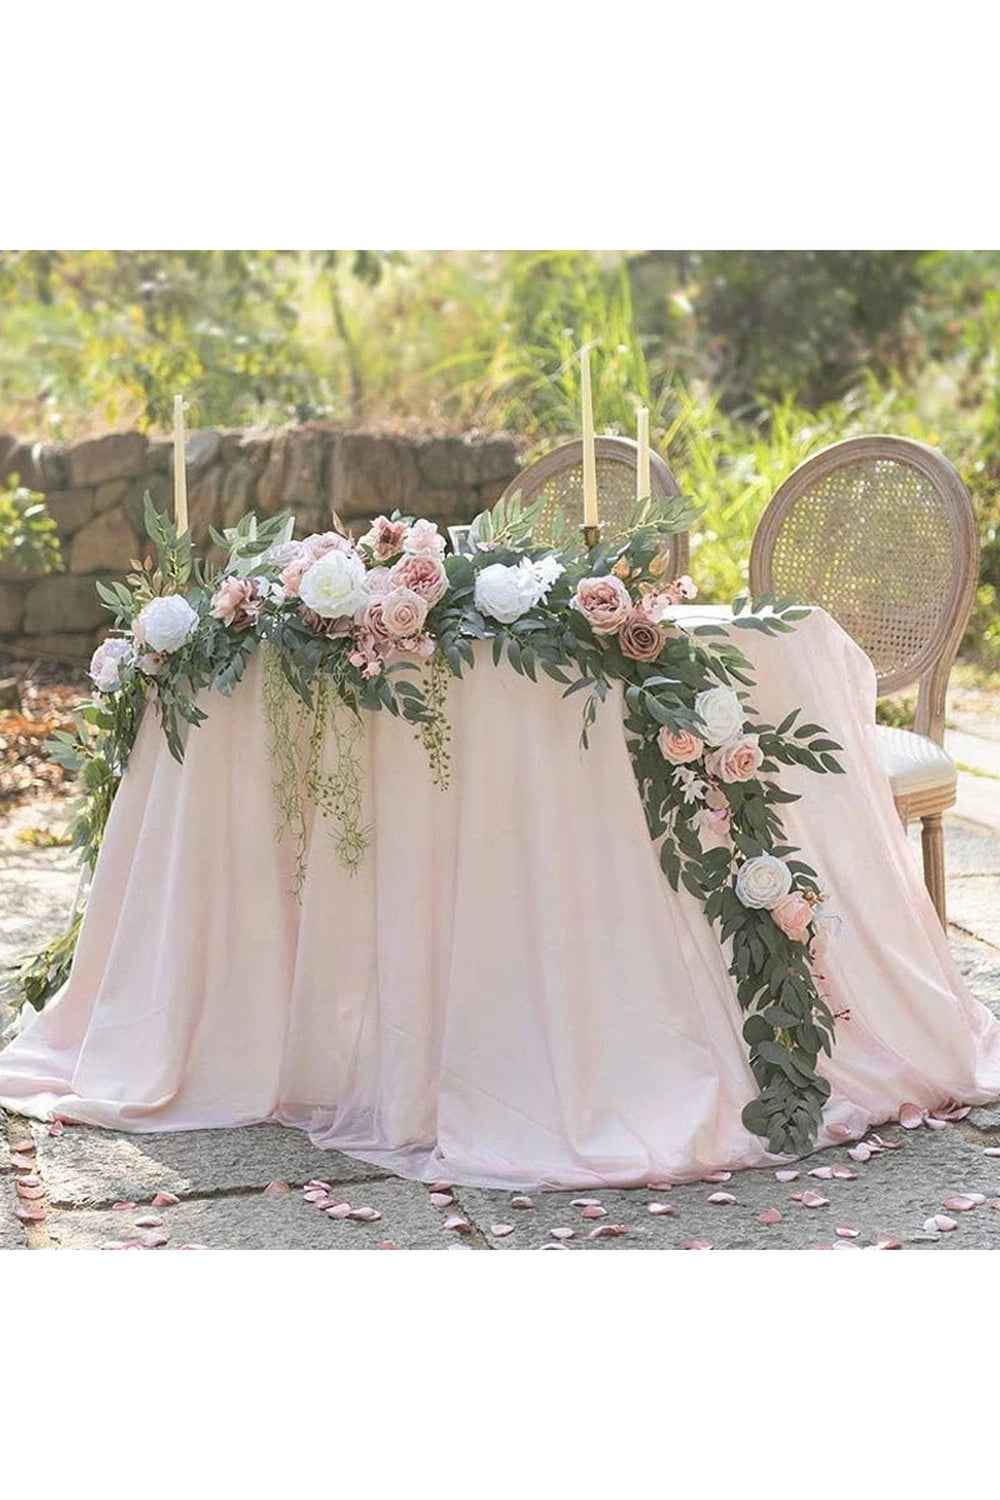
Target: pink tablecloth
[[508, 992]]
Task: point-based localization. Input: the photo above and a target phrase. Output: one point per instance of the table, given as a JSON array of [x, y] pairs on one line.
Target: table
[[507, 993]]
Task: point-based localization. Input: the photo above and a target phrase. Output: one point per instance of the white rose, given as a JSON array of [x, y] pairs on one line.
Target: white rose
[[721, 712], [545, 571], [164, 624], [763, 882], [334, 585], [506, 593], [105, 664]]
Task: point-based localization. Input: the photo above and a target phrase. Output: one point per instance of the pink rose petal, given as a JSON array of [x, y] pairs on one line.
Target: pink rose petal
[[962, 1202], [164, 1200], [847, 1231], [275, 1189], [441, 1200], [845, 1245], [844, 1173], [721, 1198], [324, 1187], [388, 1245], [911, 1116], [659, 1209], [24, 1147], [769, 1216], [586, 1203], [660, 1184], [32, 1180], [886, 1242], [991, 1150], [458, 1223], [812, 1199], [56, 1128], [952, 1112], [861, 1152], [594, 1211], [840, 1132], [148, 1221], [28, 1213], [111, 1245], [933, 1123], [608, 1232], [195, 1247], [698, 1245], [501, 1230], [339, 1211], [786, 1174], [885, 1145], [366, 1214], [118, 1207], [440, 1187], [154, 1240], [553, 1247], [563, 1232], [995, 1203], [316, 1195], [519, 1200], [940, 1222], [29, 1192], [796, 1197], [823, 1172], [717, 1177], [21, 1163]]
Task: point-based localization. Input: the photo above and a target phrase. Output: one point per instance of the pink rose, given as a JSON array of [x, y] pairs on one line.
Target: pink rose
[[654, 604], [679, 747], [236, 603], [420, 646], [604, 603], [378, 583], [424, 540], [403, 613], [372, 624], [793, 914], [424, 575], [738, 761], [640, 639], [322, 625], [683, 588], [385, 538], [322, 542]]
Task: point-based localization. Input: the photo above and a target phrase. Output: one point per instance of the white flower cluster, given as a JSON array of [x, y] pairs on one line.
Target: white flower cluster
[[505, 593]]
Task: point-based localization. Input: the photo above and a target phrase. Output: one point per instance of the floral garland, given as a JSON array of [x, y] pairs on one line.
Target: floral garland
[[384, 621]]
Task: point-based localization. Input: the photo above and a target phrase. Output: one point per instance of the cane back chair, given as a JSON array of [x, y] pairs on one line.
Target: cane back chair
[[881, 532], [559, 478]]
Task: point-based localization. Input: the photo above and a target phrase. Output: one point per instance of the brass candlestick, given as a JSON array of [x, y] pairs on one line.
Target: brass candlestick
[[591, 535]]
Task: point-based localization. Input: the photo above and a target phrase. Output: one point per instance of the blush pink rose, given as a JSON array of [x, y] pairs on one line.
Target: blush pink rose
[[640, 639], [403, 613], [322, 542], [425, 575], [679, 746], [603, 602], [793, 914], [424, 540], [236, 603], [385, 538], [372, 624], [738, 761]]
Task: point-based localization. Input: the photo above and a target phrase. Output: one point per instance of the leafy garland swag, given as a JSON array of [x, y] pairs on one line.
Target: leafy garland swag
[[385, 622]]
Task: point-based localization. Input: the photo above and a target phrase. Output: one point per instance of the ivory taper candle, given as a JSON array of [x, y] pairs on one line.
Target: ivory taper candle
[[180, 469], [642, 481], [589, 453]]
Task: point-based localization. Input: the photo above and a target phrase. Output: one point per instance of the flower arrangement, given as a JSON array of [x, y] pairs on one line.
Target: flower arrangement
[[385, 621]]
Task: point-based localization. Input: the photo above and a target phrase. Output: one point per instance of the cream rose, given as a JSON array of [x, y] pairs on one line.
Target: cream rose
[[334, 585], [793, 915], [721, 712], [763, 881], [165, 623], [680, 746], [402, 613], [740, 760], [604, 603], [505, 593]]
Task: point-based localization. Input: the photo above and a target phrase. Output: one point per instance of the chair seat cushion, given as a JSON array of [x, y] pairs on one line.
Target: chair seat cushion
[[912, 762]]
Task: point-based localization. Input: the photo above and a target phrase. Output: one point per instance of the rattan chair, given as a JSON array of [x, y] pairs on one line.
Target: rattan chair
[[559, 477], [880, 531]]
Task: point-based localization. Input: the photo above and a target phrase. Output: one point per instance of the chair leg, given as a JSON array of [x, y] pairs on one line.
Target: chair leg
[[932, 843]]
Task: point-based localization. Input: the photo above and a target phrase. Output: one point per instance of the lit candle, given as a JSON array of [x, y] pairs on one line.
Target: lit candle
[[180, 469], [642, 481], [589, 452]]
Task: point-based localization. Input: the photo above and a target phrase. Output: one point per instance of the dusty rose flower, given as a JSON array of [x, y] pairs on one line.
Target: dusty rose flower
[[424, 540], [385, 538], [236, 603], [679, 746], [324, 624], [604, 603], [683, 588], [715, 821], [372, 623], [322, 542], [640, 639], [403, 613], [738, 761], [378, 583], [424, 575], [793, 915], [421, 646]]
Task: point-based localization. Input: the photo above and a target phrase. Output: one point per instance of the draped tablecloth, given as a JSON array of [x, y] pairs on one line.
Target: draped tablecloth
[[507, 992]]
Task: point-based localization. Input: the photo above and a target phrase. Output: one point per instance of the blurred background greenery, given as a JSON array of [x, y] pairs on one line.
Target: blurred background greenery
[[749, 360]]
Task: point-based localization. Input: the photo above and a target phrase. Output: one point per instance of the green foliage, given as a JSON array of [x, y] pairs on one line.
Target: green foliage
[[28, 536]]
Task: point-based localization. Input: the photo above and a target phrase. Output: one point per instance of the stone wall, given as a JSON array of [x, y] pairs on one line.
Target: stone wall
[[94, 491]]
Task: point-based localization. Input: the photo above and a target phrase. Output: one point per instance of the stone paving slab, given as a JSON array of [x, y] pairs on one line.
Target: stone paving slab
[[37, 889], [11, 1233], [86, 1167], [970, 849], [892, 1194], [258, 1222], [974, 905]]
